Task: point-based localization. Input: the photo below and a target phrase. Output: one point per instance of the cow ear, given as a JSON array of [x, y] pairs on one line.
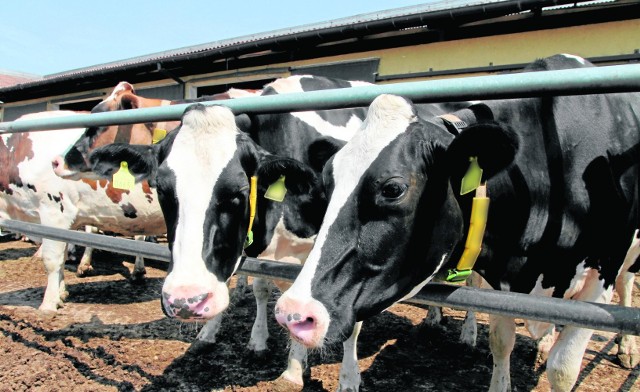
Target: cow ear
[[299, 177], [494, 146], [321, 150], [129, 101], [141, 160], [243, 122]]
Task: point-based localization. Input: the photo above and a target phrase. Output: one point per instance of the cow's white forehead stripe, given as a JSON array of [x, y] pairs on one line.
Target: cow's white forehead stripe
[[388, 117], [201, 150]]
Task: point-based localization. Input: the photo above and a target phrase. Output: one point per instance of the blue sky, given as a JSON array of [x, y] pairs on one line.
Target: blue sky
[[45, 37]]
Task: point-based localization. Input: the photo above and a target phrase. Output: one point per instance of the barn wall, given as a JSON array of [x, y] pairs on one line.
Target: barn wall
[[595, 40], [603, 39], [13, 112]]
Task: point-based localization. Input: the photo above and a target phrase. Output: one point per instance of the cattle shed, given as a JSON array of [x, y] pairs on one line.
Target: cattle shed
[[450, 38]]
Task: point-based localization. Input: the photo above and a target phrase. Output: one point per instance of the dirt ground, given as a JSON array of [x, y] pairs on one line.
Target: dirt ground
[[112, 336]]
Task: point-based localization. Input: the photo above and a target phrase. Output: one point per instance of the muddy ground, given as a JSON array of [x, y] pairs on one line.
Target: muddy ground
[[112, 336]]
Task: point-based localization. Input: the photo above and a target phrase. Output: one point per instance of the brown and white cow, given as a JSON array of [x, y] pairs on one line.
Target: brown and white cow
[[31, 192]]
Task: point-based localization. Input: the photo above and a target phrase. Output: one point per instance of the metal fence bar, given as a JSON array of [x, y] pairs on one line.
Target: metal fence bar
[[610, 79], [611, 318]]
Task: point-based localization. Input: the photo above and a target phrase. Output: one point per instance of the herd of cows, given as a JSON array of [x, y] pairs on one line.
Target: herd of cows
[[371, 206]]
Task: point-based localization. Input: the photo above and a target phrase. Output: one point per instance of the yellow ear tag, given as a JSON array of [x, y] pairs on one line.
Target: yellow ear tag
[[123, 179], [276, 191], [472, 177], [159, 134]]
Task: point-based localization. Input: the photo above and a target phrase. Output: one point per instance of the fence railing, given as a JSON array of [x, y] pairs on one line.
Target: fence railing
[[612, 79], [611, 318]]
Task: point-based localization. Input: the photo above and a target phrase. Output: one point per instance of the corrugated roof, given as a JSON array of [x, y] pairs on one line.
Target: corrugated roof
[[270, 35], [375, 22]]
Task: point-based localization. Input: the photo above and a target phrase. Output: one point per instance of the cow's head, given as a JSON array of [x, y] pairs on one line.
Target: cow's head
[[202, 173], [74, 163], [392, 220]]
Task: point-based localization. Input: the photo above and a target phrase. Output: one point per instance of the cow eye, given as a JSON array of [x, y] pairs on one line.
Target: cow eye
[[393, 189]]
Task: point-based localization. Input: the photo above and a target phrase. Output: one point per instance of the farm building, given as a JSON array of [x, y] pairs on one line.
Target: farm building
[[444, 39]]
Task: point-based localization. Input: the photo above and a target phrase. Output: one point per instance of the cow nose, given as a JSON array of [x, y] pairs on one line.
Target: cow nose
[[57, 161], [58, 165], [306, 321], [188, 304]]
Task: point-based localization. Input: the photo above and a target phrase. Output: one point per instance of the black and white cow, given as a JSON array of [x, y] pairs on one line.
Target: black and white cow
[[562, 175]]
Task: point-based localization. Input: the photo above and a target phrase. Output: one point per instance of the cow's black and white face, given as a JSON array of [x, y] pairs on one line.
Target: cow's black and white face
[[202, 174], [391, 223]]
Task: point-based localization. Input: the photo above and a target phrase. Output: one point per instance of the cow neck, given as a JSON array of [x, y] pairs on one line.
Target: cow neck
[[123, 134]]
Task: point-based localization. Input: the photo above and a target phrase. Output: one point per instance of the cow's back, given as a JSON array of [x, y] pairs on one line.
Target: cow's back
[[290, 134]]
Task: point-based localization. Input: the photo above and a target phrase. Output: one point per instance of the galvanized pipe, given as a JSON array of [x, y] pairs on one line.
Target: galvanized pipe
[[611, 79], [611, 318]]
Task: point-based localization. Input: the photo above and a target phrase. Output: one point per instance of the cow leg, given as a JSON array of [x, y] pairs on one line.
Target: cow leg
[[139, 271], [350, 371], [469, 331], [209, 331], [53, 258], [296, 365], [85, 268], [546, 342], [259, 331], [628, 352], [502, 337], [565, 357], [434, 316]]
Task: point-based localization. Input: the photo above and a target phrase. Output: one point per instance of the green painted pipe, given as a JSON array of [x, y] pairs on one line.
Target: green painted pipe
[[611, 79]]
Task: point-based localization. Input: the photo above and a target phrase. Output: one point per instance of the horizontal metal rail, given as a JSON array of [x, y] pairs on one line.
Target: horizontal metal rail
[[610, 79], [611, 318]]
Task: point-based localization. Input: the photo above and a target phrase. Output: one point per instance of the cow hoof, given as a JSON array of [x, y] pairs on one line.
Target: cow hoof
[[37, 258], [84, 270], [629, 361], [347, 389], [281, 384], [201, 347], [137, 278], [258, 356], [63, 297], [48, 310]]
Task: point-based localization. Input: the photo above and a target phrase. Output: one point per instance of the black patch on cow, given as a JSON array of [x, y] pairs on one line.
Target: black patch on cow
[[129, 211], [32, 187], [556, 62], [226, 219], [49, 196], [61, 208], [56, 199]]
